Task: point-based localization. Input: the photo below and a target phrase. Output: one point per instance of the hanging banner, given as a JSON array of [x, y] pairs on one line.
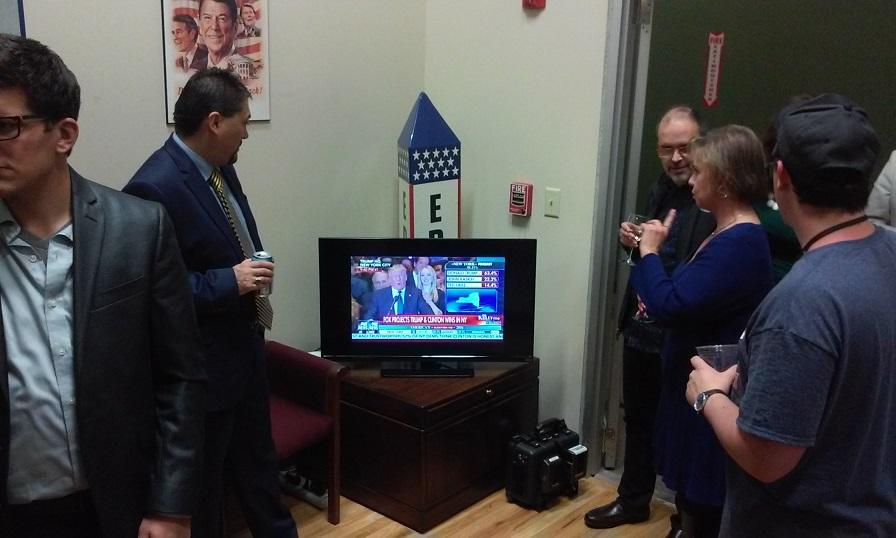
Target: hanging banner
[[713, 69]]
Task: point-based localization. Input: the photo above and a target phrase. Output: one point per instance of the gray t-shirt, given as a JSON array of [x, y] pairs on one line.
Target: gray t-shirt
[[820, 372]]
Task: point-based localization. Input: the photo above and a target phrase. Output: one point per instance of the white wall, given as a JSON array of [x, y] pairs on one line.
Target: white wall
[[522, 91], [344, 75]]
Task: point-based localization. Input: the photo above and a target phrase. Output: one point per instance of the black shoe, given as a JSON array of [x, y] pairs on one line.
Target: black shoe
[[675, 531], [615, 514]]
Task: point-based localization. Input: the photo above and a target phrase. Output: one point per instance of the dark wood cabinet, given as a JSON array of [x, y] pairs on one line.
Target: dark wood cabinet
[[419, 450]]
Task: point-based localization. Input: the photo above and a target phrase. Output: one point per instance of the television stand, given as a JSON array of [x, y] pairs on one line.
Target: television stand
[[421, 450], [427, 368]]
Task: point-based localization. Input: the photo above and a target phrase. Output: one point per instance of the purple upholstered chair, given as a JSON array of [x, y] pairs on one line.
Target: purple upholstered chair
[[305, 415]]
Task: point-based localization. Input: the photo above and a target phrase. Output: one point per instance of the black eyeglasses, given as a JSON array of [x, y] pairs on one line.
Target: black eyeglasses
[[11, 126], [668, 151]]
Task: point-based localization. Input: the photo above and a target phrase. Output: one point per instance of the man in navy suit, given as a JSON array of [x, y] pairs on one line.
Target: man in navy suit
[[398, 298], [193, 177]]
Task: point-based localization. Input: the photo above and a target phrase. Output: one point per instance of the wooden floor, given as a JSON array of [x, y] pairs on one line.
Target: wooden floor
[[492, 517]]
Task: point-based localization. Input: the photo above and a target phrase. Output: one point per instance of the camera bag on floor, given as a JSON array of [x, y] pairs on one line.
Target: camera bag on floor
[[544, 464]]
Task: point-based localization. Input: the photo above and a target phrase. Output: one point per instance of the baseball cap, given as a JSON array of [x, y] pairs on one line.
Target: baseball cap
[[827, 132]]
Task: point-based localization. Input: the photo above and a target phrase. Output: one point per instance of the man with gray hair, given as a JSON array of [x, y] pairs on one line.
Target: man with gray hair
[[643, 337], [396, 298], [807, 415]]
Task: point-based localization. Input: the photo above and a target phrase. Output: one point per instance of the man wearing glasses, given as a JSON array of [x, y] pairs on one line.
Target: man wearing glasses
[[643, 338], [101, 382]]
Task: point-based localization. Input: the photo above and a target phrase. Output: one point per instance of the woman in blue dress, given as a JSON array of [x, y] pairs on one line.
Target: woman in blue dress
[[705, 301]]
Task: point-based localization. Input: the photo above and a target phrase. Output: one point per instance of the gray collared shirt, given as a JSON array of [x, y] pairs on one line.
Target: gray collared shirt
[[36, 297], [205, 168]]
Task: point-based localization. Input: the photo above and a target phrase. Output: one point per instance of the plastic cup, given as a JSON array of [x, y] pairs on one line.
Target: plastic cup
[[720, 356]]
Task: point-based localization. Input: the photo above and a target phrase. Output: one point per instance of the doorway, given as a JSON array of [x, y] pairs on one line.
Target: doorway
[[771, 50]]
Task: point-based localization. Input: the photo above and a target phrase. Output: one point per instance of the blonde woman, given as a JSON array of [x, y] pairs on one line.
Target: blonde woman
[[432, 299]]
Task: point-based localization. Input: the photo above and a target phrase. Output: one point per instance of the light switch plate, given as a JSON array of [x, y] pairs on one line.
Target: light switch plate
[[551, 202]]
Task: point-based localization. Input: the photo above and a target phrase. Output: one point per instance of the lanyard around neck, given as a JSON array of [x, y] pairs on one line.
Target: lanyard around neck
[[832, 229]]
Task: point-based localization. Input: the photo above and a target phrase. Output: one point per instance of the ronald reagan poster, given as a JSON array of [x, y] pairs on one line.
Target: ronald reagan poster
[[229, 34]]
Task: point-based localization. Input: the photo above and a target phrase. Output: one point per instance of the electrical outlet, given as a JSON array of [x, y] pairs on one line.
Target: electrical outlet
[[551, 202]]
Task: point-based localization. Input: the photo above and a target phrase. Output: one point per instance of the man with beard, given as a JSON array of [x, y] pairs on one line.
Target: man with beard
[[193, 176], [643, 338]]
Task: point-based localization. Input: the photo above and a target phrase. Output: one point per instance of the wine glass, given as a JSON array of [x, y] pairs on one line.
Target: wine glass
[[637, 220]]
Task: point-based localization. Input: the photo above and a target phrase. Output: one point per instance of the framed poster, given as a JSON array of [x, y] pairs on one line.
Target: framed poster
[[12, 17], [229, 34]]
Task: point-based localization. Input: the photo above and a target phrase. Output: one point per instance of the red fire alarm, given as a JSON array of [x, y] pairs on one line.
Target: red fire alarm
[[534, 4], [520, 199]]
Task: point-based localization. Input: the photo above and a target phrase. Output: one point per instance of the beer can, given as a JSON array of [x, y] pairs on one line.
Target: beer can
[[264, 256]]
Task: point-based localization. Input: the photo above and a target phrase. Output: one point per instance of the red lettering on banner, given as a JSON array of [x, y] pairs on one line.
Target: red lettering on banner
[[713, 69]]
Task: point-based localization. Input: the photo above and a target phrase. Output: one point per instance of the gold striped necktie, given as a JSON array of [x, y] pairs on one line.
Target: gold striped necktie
[[264, 312]]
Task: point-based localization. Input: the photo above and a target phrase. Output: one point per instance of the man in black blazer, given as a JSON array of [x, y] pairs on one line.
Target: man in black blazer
[[217, 233], [101, 382]]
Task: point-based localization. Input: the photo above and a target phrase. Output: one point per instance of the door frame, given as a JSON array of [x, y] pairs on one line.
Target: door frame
[[618, 161]]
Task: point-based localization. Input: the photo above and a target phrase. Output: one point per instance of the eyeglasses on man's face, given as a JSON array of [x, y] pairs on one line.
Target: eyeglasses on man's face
[[668, 151], [11, 126]]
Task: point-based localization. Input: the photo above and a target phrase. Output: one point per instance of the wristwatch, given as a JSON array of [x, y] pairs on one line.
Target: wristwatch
[[703, 397]]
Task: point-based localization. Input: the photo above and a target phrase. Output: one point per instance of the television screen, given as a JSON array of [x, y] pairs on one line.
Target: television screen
[[433, 298], [427, 297]]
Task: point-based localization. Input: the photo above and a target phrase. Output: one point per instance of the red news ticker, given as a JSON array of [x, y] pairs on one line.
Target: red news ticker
[[431, 319]]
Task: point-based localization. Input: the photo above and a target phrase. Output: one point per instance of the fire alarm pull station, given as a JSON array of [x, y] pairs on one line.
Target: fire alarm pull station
[[520, 199]]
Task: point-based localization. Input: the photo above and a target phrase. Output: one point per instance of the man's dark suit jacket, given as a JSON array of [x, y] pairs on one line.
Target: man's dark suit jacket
[[138, 367], [210, 250], [411, 282], [200, 59], [382, 303]]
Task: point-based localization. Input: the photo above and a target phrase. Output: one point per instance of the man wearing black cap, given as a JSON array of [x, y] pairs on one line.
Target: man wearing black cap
[[808, 421]]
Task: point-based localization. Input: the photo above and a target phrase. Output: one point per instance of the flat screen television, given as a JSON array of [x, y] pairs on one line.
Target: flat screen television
[[427, 301]]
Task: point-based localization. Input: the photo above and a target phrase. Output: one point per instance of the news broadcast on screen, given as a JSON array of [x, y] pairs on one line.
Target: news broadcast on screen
[[428, 298]]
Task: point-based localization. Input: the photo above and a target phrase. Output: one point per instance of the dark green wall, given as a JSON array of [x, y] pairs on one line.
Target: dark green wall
[[773, 50]]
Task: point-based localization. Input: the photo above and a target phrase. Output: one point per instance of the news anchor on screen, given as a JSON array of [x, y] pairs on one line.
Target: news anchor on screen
[[398, 298]]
